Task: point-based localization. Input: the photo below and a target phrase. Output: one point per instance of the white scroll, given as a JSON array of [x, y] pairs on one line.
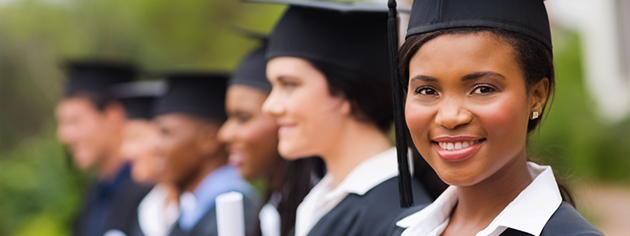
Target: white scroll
[[230, 215]]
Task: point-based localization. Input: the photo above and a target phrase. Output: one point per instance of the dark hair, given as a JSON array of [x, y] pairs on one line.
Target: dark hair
[[292, 182], [98, 99], [534, 58], [370, 98]]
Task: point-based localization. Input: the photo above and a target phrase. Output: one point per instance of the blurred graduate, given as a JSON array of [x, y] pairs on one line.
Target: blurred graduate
[[188, 118], [331, 97], [90, 123], [159, 209], [479, 75], [252, 138]]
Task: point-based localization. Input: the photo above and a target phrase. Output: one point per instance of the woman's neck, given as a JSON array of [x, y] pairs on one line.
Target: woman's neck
[[355, 143], [205, 168], [479, 204]]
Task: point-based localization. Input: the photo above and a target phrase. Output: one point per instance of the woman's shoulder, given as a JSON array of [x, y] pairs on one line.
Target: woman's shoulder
[[567, 221]]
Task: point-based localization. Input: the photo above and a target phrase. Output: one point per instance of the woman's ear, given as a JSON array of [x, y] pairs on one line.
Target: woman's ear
[[115, 112], [539, 93], [346, 107], [207, 139]]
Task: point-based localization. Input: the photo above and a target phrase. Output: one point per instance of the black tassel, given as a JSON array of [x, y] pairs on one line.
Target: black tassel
[[404, 176]]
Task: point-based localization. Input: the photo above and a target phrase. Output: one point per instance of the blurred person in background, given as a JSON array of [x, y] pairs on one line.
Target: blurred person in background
[[331, 97], [252, 141], [188, 118], [158, 210], [90, 123]]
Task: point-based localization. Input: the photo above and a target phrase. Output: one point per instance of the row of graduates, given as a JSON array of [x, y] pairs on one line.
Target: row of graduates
[[309, 113]]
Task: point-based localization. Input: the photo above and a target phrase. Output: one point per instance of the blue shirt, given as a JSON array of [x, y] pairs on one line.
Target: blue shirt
[[222, 180]]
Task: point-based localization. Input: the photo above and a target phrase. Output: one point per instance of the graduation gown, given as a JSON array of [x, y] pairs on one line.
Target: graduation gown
[[371, 214], [115, 204], [207, 225], [565, 221]]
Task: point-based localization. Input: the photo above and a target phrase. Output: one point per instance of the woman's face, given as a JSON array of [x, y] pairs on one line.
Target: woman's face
[[307, 115], [178, 146], [251, 136], [139, 137], [467, 107]]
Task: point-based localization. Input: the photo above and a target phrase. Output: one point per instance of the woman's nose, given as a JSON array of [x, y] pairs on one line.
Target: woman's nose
[[452, 114]]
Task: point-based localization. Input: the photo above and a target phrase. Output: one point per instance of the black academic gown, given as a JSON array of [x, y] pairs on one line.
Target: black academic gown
[[110, 206], [370, 214], [565, 221], [207, 225]]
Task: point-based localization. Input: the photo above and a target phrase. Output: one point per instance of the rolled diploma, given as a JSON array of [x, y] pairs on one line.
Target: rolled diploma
[[230, 219]]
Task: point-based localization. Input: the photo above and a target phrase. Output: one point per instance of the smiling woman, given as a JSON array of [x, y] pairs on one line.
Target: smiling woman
[[478, 80], [331, 100]]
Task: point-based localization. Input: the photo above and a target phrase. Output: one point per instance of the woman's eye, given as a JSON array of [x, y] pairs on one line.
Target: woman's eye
[[242, 119], [426, 91], [289, 85], [483, 89], [164, 131]]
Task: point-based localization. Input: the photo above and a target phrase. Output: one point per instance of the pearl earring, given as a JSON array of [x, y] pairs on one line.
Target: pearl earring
[[534, 115]]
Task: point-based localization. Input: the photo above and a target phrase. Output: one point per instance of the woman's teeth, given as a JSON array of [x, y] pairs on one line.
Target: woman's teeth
[[457, 145]]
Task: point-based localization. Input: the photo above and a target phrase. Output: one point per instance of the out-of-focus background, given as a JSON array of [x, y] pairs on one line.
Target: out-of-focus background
[[586, 136]]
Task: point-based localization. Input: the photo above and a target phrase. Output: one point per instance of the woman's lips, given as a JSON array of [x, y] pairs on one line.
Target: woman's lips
[[457, 149], [235, 159], [285, 129]]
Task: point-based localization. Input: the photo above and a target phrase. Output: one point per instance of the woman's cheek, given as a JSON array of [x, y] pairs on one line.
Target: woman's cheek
[[502, 118], [418, 119]]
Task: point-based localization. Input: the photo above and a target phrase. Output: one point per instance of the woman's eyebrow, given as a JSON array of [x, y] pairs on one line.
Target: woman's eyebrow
[[423, 78], [477, 75]]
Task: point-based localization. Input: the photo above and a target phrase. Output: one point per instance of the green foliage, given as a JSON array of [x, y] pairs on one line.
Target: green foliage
[[573, 138], [38, 187]]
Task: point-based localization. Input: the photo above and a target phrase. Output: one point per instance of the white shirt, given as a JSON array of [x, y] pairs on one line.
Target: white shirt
[[269, 220], [323, 198], [528, 212], [156, 217]]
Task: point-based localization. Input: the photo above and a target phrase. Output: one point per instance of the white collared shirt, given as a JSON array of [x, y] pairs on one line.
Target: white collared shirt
[[156, 217], [528, 212], [323, 198]]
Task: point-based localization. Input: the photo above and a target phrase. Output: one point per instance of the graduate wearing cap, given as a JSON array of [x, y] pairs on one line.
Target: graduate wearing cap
[[188, 117], [158, 210], [478, 76], [90, 122], [331, 98], [252, 138]]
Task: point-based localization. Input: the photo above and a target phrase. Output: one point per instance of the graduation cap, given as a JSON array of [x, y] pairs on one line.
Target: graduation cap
[[138, 97], [252, 69], [347, 35], [528, 17], [194, 93], [96, 76]]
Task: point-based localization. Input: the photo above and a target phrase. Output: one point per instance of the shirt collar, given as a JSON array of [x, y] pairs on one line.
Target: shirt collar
[[367, 175], [528, 212], [194, 206]]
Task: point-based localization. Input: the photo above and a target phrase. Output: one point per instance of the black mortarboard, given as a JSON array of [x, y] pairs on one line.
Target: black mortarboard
[[528, 17], [200, 94], [94, 76], [252, 70], [351, 36], [138, 97]]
